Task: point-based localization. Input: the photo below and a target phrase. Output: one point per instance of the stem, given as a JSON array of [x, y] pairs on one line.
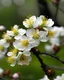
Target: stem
[[57, 67], [48, 71], [54, 56], [57, 8]]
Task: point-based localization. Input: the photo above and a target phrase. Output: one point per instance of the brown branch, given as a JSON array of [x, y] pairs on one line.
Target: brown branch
[[48, 70], [57, 67], [54, 56]]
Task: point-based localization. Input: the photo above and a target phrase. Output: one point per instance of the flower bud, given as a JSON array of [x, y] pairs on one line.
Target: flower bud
[[15, 76]]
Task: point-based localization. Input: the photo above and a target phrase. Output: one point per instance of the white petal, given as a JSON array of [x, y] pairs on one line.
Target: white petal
[[6, 45], [13, 64], [29, 58], [10, 33], [49, 23], [9, 53], [35, 43], [38, 22], [2, 56], [30, 32], [18, 37], [15, 27], [33, 18], [1, 71], [55, 41], [27, 53], [2, 41], [17, 45], [49, 48], [25, 24], [22, 31], [3, 52], [45, 39], [43, 33]]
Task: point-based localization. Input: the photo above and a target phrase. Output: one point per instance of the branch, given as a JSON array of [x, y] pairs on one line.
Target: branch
[[54, 56], [35, 50], [57, 67], [48, 70]]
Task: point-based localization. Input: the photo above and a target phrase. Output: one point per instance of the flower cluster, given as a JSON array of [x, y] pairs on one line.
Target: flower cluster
[[57, 78], [18, 42], [55, 41], [7, 74]]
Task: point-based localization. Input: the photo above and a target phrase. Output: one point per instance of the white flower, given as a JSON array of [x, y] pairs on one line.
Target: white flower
[[49, 48], [37, 35], [60, 77], [55, 43], [12, 57], [45, 78], [38, 22], [3, 47], [25, 43], [16, 32], [6, 37], [49, 23], [2, 28], [28, 23], [53, 32], [1, 71], [61, 29], [24, 58], [43, 22]]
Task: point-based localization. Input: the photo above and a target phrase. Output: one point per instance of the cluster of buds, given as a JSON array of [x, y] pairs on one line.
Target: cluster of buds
[[7, 73], [18, 42]]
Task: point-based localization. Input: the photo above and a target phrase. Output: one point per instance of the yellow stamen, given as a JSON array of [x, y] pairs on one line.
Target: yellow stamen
[[6, 37], [15, 31], [23, 58], [24, 43], [36, 35], [30, 23], [2, 48], [10, 59], [14, 52], [44, 21], [51, 33]]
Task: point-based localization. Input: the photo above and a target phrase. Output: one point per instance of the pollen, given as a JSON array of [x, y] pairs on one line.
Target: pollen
[[24, 42], [51, 33], [23, 58], [14, 51], [6, 36], [44, 21], [15, 31], [2, 48], [36, 35], [10, 59]]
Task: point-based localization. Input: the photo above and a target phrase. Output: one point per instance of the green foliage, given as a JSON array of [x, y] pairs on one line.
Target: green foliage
[[48, 0]]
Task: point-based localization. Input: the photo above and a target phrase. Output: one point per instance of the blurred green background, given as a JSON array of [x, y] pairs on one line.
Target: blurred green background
[[13, 12]]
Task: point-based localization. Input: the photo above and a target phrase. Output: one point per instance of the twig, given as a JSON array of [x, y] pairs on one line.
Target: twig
[[48, 70], [57, 8], [57, 67], [54, 56]]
